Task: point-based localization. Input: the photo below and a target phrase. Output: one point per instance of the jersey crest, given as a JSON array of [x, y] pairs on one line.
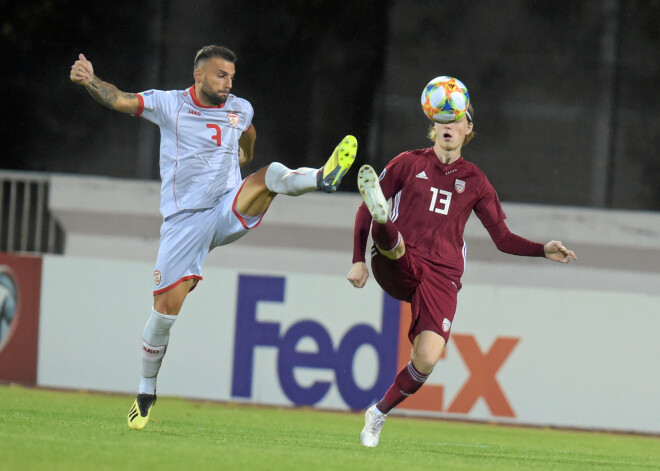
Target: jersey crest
[[446, 325], [233, 119], [459, 186]]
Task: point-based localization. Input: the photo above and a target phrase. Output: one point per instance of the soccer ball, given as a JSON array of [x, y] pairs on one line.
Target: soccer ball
[[445, 99]]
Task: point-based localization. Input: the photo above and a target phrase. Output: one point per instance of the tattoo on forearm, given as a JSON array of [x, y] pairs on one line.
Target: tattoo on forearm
[[103, 92], [106, 93]]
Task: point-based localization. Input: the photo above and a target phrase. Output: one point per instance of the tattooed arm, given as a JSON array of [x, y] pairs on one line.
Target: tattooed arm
[[105, 93]]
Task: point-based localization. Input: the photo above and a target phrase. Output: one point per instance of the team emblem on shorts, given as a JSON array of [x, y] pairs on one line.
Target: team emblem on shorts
[[446, 325], [233, 119], [459, 185], [157, 277]]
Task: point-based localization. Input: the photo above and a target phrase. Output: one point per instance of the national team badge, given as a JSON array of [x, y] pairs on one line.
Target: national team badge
[[233, 119], [157, 277], [459, 185], [446, 325]]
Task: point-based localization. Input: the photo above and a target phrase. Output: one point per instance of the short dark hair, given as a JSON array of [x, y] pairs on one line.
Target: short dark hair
[[209, 52]]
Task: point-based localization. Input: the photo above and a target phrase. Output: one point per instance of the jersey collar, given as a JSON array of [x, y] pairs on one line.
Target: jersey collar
[[191, 90], [444, 167]]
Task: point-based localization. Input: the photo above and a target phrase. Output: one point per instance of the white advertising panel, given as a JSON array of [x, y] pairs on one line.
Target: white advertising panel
[[573, 358]]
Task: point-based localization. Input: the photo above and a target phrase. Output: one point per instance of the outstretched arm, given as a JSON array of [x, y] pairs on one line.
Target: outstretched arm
[[508, 242], [489, 210], [82, 73]]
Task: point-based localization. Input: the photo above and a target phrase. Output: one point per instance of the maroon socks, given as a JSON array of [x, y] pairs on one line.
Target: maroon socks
[[386, 236], [407, 382]]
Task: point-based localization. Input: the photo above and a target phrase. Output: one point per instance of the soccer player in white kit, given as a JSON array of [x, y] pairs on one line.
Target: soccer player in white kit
[[206, 136]]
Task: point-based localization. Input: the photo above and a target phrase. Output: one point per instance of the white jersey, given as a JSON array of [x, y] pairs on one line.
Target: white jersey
[[198, 146]]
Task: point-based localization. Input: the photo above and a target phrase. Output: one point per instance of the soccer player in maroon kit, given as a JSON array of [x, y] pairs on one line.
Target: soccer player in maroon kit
[[419, 253]]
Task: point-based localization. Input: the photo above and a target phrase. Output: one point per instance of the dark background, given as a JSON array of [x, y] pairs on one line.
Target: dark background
[[566, 93]]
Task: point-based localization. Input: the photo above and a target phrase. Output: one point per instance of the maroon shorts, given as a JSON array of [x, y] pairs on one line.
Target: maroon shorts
[[431, 294]]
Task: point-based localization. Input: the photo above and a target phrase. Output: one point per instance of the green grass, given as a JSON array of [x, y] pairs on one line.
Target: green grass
[[54, 430]]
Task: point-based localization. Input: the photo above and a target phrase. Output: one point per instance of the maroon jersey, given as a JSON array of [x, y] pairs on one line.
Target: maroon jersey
[[431, 203]]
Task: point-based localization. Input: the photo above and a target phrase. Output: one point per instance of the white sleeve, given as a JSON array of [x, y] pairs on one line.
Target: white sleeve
[[248, 118], [248, 112], [156, 105]]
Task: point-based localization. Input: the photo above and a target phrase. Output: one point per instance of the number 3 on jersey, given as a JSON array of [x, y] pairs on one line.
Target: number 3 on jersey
[[217, 137], [442, 203]]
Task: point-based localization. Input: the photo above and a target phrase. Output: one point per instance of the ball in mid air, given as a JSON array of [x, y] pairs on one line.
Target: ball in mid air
[[445, 99]]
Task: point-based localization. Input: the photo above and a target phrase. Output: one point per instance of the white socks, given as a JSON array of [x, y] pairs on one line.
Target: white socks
[[155, 336], [282, 180]]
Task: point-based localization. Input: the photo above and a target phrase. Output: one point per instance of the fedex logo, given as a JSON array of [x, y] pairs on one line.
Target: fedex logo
[[390, 344], [251, 334]]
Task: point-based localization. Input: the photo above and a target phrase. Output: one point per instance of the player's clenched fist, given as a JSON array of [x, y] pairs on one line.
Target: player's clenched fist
[[82, 71], [358, 274]]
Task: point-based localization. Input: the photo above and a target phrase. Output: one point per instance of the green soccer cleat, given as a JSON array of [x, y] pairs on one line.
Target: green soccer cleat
[[138, 416], [338, 164]]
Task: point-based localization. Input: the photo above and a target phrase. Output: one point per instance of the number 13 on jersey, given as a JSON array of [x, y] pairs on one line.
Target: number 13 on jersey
[[440, 205]]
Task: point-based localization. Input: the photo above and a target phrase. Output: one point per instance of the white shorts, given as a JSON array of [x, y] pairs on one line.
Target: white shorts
[[188, 236]]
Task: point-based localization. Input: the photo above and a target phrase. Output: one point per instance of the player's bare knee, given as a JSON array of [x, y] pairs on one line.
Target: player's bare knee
[[427, 351], [171, 301], [423, 363], [257, 181]]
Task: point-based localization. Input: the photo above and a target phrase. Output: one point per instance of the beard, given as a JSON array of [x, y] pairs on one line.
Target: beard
[[211, 96]]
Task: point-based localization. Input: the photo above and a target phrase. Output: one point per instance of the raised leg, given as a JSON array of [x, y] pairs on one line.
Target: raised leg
[[261, 187]]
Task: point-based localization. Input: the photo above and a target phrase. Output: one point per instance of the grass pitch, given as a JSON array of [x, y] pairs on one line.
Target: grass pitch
[[54, 430]]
